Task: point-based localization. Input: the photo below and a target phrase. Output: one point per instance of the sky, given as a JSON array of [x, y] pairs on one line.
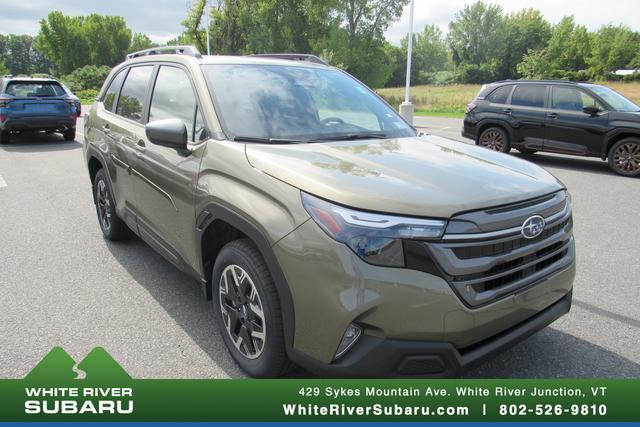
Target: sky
[[160, 19]]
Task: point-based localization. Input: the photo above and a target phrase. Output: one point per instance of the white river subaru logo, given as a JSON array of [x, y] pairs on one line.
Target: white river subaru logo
[[533, 226]]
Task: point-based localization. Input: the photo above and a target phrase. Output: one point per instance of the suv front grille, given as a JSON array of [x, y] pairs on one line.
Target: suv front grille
[[482, 267], [493, 249]]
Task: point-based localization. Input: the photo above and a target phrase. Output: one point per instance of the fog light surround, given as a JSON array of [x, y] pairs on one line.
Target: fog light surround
[[350, 337]]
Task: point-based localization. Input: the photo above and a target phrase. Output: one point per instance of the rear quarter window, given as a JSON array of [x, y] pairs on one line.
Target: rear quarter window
[[113, 89], [500, 95]]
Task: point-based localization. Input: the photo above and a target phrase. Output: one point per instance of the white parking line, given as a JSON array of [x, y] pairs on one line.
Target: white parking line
[[3, 183]]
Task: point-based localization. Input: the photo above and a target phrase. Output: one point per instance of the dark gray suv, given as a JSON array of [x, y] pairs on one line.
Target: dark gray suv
[[564, 117]]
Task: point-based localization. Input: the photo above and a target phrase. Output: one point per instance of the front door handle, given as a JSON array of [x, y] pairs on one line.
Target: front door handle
[[508, 111], [553, 115], [106, 129], [140, 146]]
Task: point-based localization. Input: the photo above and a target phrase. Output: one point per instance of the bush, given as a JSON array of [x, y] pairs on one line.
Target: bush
[[472, 73], [87, 77], [442, 78], [87, 96]]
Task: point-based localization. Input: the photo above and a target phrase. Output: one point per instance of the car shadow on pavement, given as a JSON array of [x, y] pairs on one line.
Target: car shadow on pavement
[[31, 142], [581, 164], [179, 295], [554, 354]]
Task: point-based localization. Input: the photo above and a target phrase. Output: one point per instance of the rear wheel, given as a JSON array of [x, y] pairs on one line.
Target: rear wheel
[[69, 134], [526, 151], [111, 225], [4, 137], [247, 310], [624, 157], [494, 138]]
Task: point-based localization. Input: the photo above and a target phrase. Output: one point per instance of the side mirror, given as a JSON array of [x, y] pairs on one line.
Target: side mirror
[[168, 132], [591, 110]]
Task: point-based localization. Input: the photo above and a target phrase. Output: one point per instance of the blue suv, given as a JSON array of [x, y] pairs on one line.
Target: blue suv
[[35, 104]]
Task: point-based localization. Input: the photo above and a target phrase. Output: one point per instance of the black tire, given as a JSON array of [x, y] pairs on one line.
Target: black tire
[[494, 138], [69, 134], [526, 151], [113, 228], [271, 360], [624, 157], [4, 137]]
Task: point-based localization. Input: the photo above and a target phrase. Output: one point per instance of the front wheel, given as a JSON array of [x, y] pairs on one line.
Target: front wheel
[[247, 310], [495, 139], [113, 228], [624, 157]]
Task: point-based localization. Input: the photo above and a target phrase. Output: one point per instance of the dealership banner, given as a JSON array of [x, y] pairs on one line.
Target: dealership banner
[[99, 389]]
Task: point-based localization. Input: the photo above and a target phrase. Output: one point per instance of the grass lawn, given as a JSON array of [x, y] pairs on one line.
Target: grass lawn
[[451, 100]]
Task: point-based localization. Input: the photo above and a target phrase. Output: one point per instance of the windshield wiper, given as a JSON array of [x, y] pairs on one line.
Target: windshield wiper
[[349, 137], [259, 140]]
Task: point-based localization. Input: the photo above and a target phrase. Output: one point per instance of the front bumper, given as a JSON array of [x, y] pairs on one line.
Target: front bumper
[[374, 357], [38, 123], [403, 312]]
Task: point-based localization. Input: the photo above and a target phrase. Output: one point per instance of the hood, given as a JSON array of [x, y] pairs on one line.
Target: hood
[[422, 176]]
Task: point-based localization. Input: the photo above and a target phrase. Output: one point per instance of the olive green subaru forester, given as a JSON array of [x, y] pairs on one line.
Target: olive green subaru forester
[[326, 232]]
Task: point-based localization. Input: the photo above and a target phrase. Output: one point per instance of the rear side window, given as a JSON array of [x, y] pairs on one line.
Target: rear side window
[[500, 95], [173, 97], [112, 91], [24, 89], [133, 93], [529, 96]]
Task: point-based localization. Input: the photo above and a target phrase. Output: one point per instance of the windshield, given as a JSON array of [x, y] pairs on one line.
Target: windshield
[[34, 89], [267, 103], [613, 98]]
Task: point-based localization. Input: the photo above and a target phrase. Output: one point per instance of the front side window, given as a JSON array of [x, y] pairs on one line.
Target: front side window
[[133, 93], [529, 96], [294, 102], [173, 97], [568, 98], [613, 98], [113, 89]]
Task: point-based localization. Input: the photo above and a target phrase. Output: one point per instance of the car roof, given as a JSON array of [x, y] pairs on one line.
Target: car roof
[[222, 60], [526, 82]]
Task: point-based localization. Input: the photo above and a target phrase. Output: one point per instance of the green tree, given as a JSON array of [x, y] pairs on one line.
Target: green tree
[[613, 48], [429, 56], [565, 55], [87, 77], [477, 42], [525, 30], [141, 41], [3, 69], [71, 42]]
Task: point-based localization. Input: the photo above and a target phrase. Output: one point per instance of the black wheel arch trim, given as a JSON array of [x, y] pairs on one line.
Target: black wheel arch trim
[[216, 211], [612, 137]]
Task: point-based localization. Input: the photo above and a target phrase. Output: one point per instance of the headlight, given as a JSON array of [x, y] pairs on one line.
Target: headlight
[[376, 238]]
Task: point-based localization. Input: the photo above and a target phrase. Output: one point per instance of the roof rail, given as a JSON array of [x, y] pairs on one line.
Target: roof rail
[[293, 57], [160, 50]]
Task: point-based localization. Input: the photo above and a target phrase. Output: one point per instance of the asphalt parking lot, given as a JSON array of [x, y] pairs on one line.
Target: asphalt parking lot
[[62, 284]]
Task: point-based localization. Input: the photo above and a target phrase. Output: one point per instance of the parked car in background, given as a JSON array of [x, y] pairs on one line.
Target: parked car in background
[[558, 116], [36, 104], [76, 100]]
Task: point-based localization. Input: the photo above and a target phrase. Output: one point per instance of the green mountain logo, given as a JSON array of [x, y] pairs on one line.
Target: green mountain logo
[[97, 366]]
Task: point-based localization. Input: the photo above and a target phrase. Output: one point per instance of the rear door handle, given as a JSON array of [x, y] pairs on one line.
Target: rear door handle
[[106, 129], [552, 115], [508, 111]]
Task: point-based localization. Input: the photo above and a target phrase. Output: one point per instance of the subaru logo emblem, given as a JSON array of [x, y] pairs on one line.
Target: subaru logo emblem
[[533, 227]]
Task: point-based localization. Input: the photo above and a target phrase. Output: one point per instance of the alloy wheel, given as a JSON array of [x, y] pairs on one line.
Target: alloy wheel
[[493, 140], [242, 311], [626, 158], [105, 210]]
